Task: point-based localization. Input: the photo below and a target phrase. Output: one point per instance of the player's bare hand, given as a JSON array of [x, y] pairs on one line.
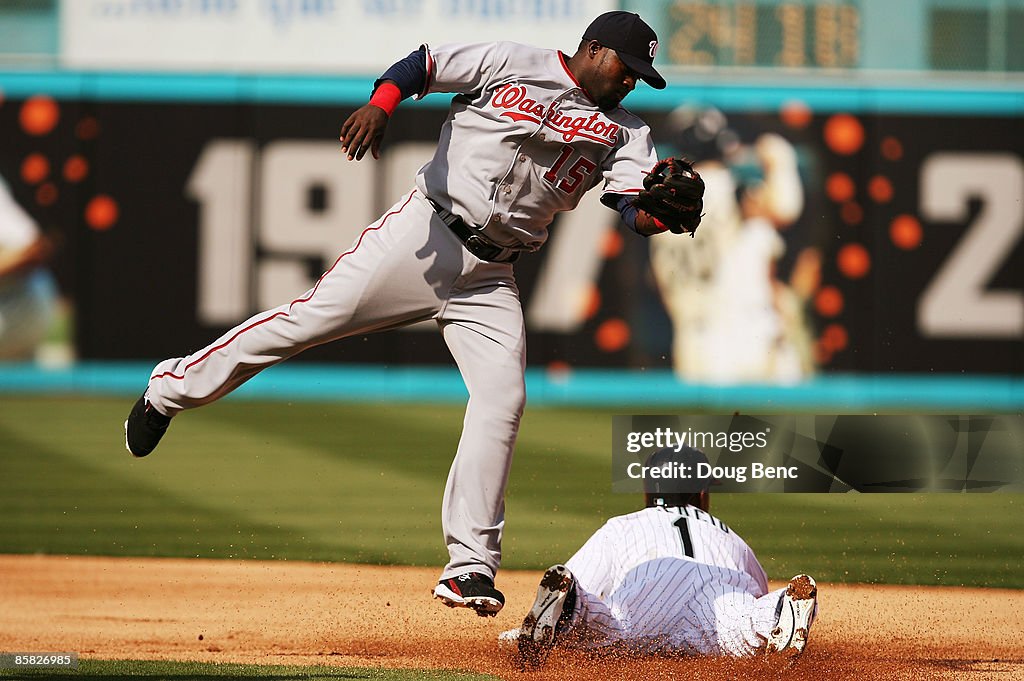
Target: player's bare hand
[[363, 131]]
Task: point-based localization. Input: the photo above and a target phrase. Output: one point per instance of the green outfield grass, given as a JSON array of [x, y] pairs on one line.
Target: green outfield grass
[[363, 483], [116, 670]]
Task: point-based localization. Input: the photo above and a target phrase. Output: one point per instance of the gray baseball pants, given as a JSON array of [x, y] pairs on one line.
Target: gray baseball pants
[[404, 268]]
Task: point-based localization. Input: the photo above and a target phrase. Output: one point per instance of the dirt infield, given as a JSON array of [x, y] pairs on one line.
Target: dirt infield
[[351, 615]]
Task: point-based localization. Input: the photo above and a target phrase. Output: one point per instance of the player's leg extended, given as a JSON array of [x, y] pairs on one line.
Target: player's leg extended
[[398, 271], [727, 619], [483, 327]]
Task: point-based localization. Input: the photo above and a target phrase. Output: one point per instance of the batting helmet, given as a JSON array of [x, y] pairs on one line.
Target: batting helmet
[[677, 482], [702, 133]]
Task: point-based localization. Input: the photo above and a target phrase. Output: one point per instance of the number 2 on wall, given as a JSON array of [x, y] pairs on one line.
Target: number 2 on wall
[[956, 302]]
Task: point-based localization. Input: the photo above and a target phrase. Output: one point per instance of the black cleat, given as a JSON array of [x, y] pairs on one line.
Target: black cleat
[[144, 428], [471, 590]]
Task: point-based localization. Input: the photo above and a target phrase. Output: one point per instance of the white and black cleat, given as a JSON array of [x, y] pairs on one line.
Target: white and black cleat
[[797, 609], [537, 633]]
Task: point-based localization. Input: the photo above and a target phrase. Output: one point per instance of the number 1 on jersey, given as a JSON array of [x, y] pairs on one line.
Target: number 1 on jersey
[[684, 535]]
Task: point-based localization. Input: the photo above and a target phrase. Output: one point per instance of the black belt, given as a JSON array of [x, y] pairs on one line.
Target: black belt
[[475, 243]]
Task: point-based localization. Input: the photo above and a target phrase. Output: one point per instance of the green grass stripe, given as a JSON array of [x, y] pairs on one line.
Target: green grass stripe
[[363, 483], [117, 670]]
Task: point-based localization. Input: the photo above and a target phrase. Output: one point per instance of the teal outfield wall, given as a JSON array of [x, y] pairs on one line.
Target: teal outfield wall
[[633, 391], [756, 92]]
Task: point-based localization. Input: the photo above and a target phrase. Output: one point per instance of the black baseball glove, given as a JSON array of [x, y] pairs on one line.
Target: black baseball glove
[[673, 193]]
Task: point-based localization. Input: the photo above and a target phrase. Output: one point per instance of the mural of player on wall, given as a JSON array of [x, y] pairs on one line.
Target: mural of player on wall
[[734, 319], [28, 291]]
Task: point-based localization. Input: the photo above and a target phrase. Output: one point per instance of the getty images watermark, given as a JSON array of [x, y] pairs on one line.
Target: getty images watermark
[[823, 453], [735, 441]]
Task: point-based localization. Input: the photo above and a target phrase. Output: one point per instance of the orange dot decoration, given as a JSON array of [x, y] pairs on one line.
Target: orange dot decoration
[[892, 149], [839, 187], [611, 244], [46, 194], [35, 168], [851, 213], [834, 338], [796, 114], [76, 168], [905, 232], [844, 134], [829, 301], [559, 371], [39, 115], [822, 355], [101, 212], [591, 302], [880, 189], [854, 261], [87, 129], [612, 335]]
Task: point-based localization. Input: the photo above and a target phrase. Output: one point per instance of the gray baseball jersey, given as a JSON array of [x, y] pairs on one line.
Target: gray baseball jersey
[[525, 141], [671, 580], [522, 142]]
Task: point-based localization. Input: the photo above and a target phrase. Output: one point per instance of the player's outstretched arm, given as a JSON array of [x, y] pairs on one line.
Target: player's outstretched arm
[[363, 131]]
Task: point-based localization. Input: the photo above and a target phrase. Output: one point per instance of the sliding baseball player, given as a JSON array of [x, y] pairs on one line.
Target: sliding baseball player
[[669, 579]]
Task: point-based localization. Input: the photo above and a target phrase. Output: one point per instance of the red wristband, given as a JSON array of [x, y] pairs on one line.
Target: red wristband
[[386, 96], [662, 227]]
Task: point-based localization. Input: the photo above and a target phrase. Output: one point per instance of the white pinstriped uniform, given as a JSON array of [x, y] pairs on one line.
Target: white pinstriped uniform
[[670, 580]]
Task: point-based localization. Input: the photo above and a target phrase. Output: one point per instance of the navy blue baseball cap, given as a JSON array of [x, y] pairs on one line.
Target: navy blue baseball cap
[[632, 39]]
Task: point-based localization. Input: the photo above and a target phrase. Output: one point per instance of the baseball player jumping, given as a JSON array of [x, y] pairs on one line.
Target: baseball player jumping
[[669, 579], [528, 132]]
